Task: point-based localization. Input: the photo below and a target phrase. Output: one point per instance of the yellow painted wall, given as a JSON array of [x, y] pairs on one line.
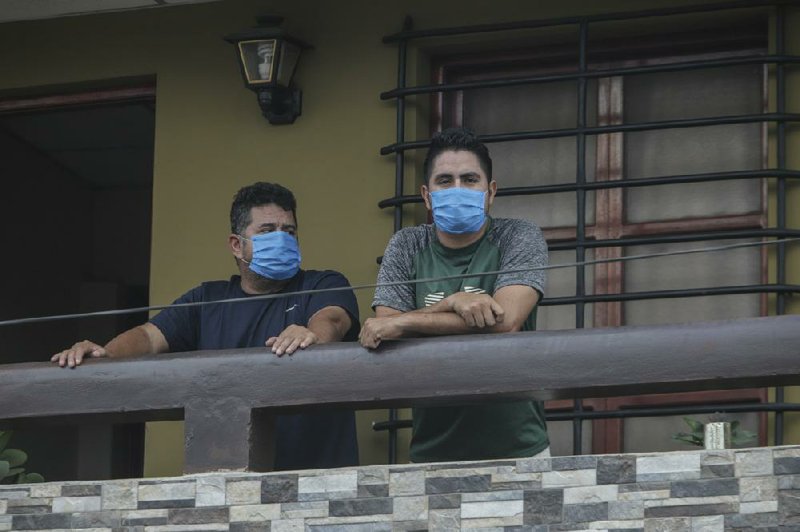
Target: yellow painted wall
[[211, 139]]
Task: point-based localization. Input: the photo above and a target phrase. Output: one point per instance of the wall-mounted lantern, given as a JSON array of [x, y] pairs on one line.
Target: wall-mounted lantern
[[268, 58]]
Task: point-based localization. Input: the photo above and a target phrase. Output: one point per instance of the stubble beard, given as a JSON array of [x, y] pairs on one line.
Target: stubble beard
[[262, 284]]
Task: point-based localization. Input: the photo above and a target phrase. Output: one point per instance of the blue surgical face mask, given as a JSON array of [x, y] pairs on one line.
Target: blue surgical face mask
[[275, 255], [458, 210]]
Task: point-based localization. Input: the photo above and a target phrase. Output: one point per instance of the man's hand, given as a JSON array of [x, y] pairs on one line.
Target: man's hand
[[73, 356], [292, 338], [477, 310], [376, 330], [145, 339]]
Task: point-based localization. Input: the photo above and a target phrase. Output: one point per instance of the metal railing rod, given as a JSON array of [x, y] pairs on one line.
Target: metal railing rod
[[678, 238], [399, 175], [622, 183], [674, 411], [780, 103], [590, 74], [580, 204], [649, 182], [614, 128], [673, 238], [671, 294], [569, 415], [565, 21]]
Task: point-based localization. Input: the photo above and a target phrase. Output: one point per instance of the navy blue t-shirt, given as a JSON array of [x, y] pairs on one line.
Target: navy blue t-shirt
[[303, 441]]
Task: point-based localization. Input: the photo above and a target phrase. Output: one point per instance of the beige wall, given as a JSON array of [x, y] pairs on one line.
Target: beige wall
[[211, 139]]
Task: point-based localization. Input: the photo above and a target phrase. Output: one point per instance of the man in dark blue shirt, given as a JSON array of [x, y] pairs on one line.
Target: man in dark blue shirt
[[263, 241]]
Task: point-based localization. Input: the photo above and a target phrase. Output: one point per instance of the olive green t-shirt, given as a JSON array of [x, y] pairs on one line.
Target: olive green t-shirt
[[475, 432]]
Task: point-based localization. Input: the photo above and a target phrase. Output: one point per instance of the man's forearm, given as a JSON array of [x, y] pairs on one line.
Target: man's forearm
[[427, 322], [506, 311], [132, 342], [459, 313], [327, 331], [330, 324]]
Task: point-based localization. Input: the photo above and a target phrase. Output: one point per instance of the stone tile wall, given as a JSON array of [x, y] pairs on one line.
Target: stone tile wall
[[754, 489]]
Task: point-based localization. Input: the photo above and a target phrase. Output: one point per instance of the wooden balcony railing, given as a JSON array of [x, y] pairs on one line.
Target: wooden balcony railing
[[227, 398]]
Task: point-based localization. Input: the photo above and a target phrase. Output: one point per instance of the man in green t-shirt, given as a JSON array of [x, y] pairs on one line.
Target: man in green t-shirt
[[463, 239]]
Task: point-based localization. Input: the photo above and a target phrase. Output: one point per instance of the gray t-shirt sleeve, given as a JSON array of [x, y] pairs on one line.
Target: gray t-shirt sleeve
[[522, 246], [397, 265]]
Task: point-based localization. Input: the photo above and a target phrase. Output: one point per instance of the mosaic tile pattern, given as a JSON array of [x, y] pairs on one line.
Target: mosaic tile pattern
[[752, 489]]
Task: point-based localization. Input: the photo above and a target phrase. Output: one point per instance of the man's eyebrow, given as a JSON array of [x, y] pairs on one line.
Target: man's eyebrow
[[288, 226]]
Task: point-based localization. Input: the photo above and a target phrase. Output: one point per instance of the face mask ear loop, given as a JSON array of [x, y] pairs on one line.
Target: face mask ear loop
[[243, 238]]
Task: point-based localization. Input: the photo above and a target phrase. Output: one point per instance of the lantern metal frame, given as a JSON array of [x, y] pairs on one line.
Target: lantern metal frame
[[280, 103]]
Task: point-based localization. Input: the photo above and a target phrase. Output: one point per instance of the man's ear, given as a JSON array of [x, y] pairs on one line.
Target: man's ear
[[492, 193], [426, 197], [235, 243]]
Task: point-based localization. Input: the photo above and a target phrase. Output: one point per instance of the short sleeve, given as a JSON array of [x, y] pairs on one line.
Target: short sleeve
[[522, 247], [181, 325], [337, 298], [397, 265]]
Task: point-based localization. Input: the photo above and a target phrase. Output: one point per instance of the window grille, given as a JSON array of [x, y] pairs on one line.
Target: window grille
[[778, 176]]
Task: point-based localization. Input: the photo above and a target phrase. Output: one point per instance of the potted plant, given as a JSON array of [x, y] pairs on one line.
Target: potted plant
[[11, 462], [739, 436]]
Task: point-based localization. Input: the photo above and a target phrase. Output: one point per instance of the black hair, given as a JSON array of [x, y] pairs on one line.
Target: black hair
[[457, 139], [256, 195]]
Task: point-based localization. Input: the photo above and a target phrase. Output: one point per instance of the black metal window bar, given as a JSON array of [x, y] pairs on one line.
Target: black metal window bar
[[779, 60]]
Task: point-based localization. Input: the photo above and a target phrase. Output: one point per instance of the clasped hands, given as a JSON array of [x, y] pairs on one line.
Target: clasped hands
[[478, 311]]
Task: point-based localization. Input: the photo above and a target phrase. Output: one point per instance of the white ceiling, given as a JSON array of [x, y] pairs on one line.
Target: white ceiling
[[13, 10]]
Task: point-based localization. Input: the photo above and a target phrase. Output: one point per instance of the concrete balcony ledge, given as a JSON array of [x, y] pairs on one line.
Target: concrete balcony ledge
[[227, 398], [743, 489]]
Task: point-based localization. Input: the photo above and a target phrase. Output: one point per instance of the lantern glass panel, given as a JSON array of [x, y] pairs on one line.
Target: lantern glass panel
[[290, 53], [258, 59]]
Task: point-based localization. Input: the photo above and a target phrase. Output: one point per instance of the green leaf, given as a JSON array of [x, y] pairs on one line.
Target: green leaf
[[742, 436], [4, 469], [691, 439], [695, 425], [5, 435], [30, 478], [14, 457]]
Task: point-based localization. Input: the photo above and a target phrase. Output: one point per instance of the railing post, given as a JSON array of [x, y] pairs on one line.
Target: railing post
[[227, 434]]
